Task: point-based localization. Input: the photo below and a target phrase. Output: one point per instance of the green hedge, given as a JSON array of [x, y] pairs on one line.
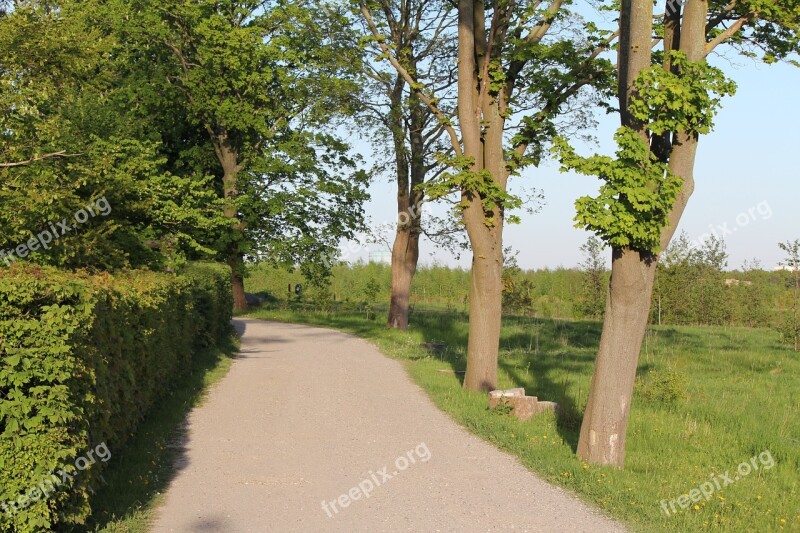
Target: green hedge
[[83, 359]]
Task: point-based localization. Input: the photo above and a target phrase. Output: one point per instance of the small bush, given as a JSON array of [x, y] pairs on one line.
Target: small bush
[[663, 387]]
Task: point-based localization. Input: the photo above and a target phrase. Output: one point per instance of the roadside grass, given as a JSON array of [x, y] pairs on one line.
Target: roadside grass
[[138, 474], [706, 400]]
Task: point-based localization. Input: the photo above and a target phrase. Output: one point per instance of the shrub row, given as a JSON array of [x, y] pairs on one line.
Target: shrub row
[[83, 359]]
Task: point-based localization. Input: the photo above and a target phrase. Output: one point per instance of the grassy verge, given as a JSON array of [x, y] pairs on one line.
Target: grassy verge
[[707, 400], [137, 474]]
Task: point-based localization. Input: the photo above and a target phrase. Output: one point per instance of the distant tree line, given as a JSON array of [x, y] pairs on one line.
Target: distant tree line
[[691, 289]]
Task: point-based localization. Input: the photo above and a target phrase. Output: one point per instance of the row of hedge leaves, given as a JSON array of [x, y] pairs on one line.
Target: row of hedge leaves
[[83, 359]]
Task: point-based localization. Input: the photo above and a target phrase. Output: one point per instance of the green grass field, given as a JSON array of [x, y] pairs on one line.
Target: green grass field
[[706, 401]]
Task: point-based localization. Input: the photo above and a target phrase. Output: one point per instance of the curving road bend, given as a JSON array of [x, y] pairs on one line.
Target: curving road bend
[[314, 430]]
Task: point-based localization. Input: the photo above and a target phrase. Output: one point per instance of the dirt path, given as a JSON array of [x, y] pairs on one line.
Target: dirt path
[[309, 415]]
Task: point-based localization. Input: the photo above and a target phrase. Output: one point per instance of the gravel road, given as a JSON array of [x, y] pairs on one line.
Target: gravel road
[[315, 430]]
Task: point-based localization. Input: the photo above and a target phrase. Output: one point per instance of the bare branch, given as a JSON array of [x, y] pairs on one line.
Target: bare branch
[[413, 84], [434, 40], [180, 56]]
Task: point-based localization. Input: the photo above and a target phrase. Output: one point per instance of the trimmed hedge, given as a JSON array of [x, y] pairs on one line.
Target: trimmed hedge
[[84, 357]]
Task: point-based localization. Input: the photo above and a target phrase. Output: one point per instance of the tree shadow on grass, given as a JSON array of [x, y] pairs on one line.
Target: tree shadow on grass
[[449, 329], [547, 357], [558, 358], [554, 360]]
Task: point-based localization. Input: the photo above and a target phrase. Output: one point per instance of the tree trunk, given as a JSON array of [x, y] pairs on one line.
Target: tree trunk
[[410, 175], [636, 28], [228, 156], [405, 254], [684, 146], [485, 308], [605, 421], [481, 119], [237, 284], [604, 427], [661, 145], [486, 289], [401, 254]]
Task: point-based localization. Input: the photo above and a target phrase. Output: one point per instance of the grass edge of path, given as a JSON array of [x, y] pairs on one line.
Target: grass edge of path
[[139, 473]]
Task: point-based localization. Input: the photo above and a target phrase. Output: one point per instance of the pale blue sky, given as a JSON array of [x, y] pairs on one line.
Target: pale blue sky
[[747, 181]]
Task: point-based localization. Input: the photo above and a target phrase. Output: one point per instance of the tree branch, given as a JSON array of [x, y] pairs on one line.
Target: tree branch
[[413, 84], [536, 34], [565, 90], [713, 23], [434, 40], [62, 153], [730, 32], [540, 30]]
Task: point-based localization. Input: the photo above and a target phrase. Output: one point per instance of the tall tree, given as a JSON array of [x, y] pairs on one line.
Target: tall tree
[[419, 32], [792, 264], [264, 81], [72, 136], [513, 80], [666, 101], [690, 283], [594, 271]]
